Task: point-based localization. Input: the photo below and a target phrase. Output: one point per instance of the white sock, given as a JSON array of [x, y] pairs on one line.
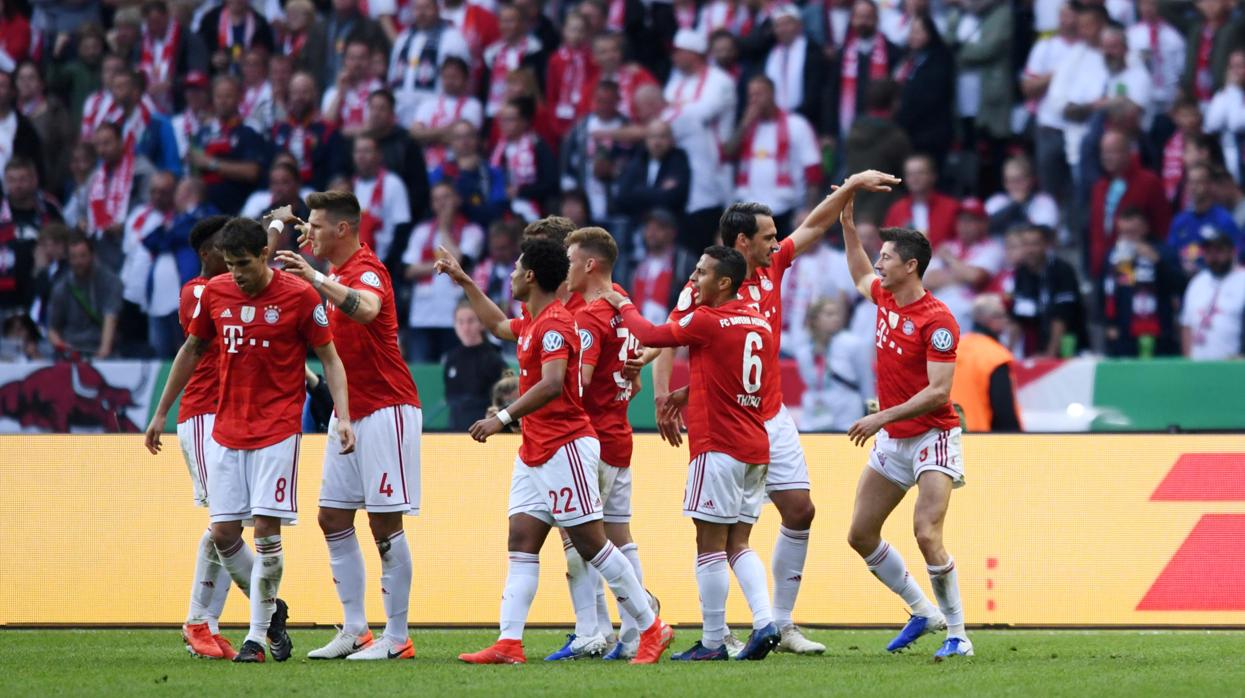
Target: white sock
[[521, 580], [887, 565], [947, 590], [265, 581], [220, 594], [750, 572], [395, 585], [238, 561], [790, 550], [583, 584], [617, 572], [713, 579], [203, 586], [605, 625], [628, 632], [349, 577]]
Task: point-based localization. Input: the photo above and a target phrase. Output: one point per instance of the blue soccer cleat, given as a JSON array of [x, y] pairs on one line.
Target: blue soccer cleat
[[578, 648], [914, 629], [954, 647], [700, 653], [760, 643], [621, 650]]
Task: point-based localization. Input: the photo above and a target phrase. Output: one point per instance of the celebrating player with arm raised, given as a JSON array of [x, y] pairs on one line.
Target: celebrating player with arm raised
[[382, 474], [263, 320], [554, 481], [918, 432], [749, 229]]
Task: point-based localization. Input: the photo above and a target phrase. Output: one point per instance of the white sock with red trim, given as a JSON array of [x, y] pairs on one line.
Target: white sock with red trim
[[238, 560], [888, 566], [751, 575], [349, 578], [203, 586], [583, 583], [790, 551], [265, 582], [605, 625], [628, 632], [618, 573], [713, 580], [947, 590], [395, 585], [522, 578]]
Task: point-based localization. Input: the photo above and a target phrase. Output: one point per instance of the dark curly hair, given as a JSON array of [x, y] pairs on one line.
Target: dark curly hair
[[741, 217], [730, 264], [242, 237], [205, 229], [547, 260]]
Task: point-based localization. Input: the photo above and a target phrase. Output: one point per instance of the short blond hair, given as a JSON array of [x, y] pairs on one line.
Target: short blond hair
[[596, 242], [555, 228]]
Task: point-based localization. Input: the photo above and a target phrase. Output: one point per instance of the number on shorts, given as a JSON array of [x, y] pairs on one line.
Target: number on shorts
[[566, 494], [279, 495], [752, 362], [385, 488]]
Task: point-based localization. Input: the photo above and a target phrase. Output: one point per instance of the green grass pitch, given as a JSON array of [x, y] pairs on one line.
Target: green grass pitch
[[1008, 662]]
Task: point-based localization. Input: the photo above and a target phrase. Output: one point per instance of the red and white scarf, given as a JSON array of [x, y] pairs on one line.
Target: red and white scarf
[[1203, 79], [850, 71], [652, 281], [158, 62], [302, 144], [224, 34], [575, 65], [373, 216], [108, 194], [96, 107], [509, 57], [353, 109], [293, 44], [517, 158], [252, 96], [1173, 165], [726, 15], [782, 154], [132, 126], [434, 155], [428, 251]]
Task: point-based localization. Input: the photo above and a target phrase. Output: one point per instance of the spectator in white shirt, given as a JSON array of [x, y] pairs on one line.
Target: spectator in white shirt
[[964, 266], [382, 197], [1214, 305], [1126, 78], [418, 54], [345, 103], [777, 158], [1225, 117], [435, 117], [836, 368], [136, 270], [434, 296], [1020, 203], [1161, 50], [1046, 55], [258, 107]]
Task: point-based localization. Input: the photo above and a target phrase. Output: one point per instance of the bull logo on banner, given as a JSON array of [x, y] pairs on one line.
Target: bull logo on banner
[[71, 395]]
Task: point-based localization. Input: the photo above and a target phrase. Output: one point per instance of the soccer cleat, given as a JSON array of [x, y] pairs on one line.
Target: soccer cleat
[[502, 652], [226, 649], [914, 629], [251, 653], [793, 641], [279, 642], [700, 653], [760, 642], [653, 642], [622, 650], [579, 648], [342, 645], [733, 644], [199, 642], [653, 602], [954, 647], [385, 648]]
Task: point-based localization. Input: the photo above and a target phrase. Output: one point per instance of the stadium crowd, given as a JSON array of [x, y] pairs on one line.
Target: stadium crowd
[[1077, 166]]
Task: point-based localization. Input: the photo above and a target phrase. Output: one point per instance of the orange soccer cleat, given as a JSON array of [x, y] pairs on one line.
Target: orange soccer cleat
[[653, 642], [502, 652], [226, 649], [199, 642]]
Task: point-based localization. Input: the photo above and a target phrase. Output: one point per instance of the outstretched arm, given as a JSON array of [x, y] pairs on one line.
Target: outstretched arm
[[490, 315], [359, 305], [824, 214], [650, 335], [857, 259]]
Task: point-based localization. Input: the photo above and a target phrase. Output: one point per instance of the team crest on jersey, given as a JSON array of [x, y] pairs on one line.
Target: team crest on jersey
[[370, 278], [686, 320], [942, 339], [685, 298], [585, 340], [893, 319], [767, 284], [320, 316], [248, 313], [552, 341], [908, 327], [271, 314], [754, 292]]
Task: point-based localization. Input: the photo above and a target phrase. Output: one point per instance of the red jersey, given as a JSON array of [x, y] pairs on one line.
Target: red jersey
[[607, 344], [203, 390], [264, 343], [727, 345], [375, 372], [908, 337], [550, 336]]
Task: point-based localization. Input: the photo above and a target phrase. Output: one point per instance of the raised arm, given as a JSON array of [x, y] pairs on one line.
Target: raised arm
[[359, 305], [857, 259], [490, 315], [824, 214], [650, 335]]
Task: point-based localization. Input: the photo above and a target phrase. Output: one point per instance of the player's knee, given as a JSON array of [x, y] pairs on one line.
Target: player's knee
[[928, 537], [330, 522], [863, 542], [798, 516], [223, 538], [384, 526]]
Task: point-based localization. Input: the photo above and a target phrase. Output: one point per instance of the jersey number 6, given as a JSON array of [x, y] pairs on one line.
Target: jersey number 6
[[752, 362]]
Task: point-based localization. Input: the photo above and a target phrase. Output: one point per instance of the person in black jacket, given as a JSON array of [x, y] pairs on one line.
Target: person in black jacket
[[657, 177], [470, 370], [928, 79]]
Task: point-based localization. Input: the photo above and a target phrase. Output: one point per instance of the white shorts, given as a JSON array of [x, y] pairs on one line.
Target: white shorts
[[615, 493], [787, 468], [721, 489], [903, 460], [195, 435], [255, 482], [382, 473], [563, 491]]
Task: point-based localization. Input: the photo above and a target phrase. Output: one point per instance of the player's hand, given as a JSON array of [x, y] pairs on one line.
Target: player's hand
[[632, 367], [864, 428], [294, 263], [154, 430], [481, 430], [345, 435], [670, 417], [448, 264], [847, 217], [872, 180], [615, 299]]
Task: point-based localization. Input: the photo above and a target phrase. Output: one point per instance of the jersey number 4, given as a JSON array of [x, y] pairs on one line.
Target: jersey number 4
[[752, 362]]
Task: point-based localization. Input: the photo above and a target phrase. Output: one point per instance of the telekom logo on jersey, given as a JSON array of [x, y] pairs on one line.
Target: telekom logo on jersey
[[233, 339]]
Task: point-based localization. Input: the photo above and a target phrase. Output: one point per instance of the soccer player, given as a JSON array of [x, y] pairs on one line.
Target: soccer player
[[195, 415], [749, 228], [263, 320], [918, 432], [726, 433], [382, 474], [554, 481]]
